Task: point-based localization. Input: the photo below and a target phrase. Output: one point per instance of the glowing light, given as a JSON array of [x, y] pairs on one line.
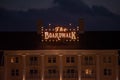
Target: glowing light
[[73, 29], [77, 28], [73, 40], [42, 40], [71, 35], [49, 24], [67, 40], [24, 77], [49, 40], [53, 40], [70, 24], [52, 29], [45, 29], [60, 29], [12, 60], [42, 29], [88, 71], [59, 33]]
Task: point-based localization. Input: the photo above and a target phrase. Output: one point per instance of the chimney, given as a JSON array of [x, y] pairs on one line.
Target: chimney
[[39, 26], [81, 25]]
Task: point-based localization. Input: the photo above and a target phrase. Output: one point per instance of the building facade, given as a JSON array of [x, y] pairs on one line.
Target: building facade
[[61, 65], [59, 53]]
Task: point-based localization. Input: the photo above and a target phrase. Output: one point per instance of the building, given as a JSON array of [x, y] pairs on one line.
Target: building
[[61, 64], [44, 56], [119, 68]]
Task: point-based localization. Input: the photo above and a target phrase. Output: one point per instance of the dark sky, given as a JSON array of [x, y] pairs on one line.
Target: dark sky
[[16, 15], [112, 5], [26, 4]]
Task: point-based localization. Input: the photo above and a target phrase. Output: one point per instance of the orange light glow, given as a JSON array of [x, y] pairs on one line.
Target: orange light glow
[[12, 60], [88, 71], [59, 33], [70, 35]]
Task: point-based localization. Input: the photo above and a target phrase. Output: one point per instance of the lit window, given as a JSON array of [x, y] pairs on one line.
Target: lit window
[[14, 60], [88, 71]]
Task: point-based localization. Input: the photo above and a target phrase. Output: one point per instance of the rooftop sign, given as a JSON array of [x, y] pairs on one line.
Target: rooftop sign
[[59, 33]]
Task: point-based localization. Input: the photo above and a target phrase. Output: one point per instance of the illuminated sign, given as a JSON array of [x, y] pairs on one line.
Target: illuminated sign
[[59, 33]]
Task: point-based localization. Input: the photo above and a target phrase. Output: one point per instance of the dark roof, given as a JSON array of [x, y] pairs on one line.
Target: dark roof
[[32, 41]]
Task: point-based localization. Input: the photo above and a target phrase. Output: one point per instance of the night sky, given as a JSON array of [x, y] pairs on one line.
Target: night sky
[[22, 15]]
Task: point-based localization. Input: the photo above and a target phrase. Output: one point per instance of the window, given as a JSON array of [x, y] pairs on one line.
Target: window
[[33, 60], [14, 72], [88, 73], [107, 72], [33, 72], [54, 60], [70, 73], [51, 59], [14, 60], [89, 60], [107, 59], [86, 60], [70, 59], [52, 73]]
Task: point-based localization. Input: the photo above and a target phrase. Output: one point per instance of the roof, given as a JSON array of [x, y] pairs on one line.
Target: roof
[[32, 41]]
